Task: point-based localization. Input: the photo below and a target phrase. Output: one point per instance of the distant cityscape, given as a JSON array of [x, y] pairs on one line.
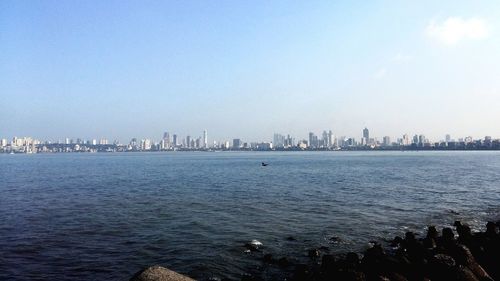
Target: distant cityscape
[[172, 142]]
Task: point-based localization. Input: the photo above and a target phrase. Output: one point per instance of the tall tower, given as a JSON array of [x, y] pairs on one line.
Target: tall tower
[[330, 138], [174, 139], [366, 133], [166, 141], [205, 139]]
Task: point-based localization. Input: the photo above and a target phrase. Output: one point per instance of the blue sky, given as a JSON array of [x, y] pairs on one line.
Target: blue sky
[[247, 69]]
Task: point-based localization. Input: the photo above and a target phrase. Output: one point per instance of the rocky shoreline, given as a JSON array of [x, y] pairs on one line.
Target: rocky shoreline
[[458, 254]]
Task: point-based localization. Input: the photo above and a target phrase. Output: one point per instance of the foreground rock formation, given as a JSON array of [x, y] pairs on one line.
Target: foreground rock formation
[[466, 256], [158, 273]]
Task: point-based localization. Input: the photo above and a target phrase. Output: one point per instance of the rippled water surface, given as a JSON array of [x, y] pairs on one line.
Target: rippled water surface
[[105, 216]]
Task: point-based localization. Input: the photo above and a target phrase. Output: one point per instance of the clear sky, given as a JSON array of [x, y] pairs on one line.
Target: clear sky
[[247, 69]]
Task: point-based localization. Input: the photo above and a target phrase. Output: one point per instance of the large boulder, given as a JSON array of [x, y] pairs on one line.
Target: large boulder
[[159, 273]]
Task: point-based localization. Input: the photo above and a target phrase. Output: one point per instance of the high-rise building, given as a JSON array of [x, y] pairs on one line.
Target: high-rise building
[[289, 141], [331, 141], [236, 143], [313, 140], [279, 140], [415, 139], [174, 140], [133, 142], [366, 133], [188, 141], [205, 139], [447, 138], [421, 140], [386, 141], [146, 144], [165, 143], [325, 139], [406, 140]]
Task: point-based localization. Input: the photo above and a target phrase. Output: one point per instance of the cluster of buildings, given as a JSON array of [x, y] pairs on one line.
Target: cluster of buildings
[[325, 141]]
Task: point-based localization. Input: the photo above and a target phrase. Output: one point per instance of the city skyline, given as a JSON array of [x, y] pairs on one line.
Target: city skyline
[[248, 69], [325, 139]]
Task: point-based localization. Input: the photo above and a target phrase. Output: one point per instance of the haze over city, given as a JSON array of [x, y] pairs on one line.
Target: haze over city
[[247, 70]]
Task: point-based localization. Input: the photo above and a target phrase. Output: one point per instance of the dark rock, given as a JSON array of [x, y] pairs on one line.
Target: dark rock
[[432, 232], [396, 242], [409, 236], [448, 234], [429, 243], [328, 262], [491, 229], [253, 245], [313, 253], [248, 277], [268, 258], [324, 248], [301, 271], [465, 258], [394, 276], [352, 258], [442, 267], [353, 276], [284, 262], [335, 239], [465, 274], [159, 273], [444, 261]]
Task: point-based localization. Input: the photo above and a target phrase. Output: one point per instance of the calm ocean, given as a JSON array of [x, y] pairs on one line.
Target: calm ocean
[[105, 216]]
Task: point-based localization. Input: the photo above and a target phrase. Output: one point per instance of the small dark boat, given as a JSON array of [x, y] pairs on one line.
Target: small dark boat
[[264, 164]]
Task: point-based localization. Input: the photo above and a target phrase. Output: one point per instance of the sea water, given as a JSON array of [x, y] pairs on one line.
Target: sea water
[[104, 216]]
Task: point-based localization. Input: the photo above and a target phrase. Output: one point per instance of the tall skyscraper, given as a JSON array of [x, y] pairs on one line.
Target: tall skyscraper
[[421, 140], [406, 140], [205, 139], [313, 140], [165, 143], [331, 140], [236, 143], [386, 141], [278, 140], [174, 140], [366, 133], [325, 139]]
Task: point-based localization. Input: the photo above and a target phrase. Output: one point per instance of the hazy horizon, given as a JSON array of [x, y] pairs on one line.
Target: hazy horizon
[[123, 69]]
